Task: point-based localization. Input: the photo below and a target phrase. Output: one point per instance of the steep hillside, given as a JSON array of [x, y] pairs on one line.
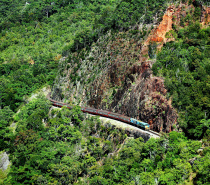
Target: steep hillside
[[116, 73], [145, 59]]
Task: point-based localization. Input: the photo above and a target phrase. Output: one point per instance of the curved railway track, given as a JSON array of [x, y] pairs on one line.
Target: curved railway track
[[155, 133], [108, 114]]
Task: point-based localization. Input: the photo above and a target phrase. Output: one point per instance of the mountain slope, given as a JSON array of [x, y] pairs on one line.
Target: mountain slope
[[116, 73]]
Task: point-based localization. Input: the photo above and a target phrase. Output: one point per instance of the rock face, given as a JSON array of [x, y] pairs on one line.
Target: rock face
[[205, 18], [116, 74], [158, 34], [4, 161], [144, 98]]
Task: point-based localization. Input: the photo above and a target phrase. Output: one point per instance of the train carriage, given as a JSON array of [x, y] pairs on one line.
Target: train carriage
[[105, 113], [90, 110], [124, 119], [113, 115]]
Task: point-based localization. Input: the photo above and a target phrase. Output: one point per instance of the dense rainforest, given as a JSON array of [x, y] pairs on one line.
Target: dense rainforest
[[100, 54]]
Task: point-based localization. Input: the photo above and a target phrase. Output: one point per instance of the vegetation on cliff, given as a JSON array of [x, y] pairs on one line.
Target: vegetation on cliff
[[115, 74], [99, 50], [185, 65], [35, 35]]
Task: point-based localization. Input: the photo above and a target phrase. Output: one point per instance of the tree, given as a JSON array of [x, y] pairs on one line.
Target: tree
[[202, 166], [202, 128], [5, 133]]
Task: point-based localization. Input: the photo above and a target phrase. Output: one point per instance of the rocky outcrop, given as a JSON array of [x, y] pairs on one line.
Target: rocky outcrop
[[143, 98], [158, 34], [116, 74], [205, 18], [174, 15], [141, 95], [4, 161]]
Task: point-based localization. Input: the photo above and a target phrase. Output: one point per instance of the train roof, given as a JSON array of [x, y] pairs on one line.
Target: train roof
[[143, 123], [116, 114], [103, 111], [122, 116]]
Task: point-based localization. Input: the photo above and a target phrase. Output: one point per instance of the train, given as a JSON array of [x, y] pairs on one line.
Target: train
[[104, 113]]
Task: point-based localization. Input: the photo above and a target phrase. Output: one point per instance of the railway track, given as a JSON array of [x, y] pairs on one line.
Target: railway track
[[153, 132], [107, 114]]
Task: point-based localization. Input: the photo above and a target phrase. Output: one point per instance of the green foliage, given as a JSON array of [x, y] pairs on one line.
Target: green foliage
[[201, 166], [67, 147], [18, 80], [158, 161], [185, 66], [31, 115], [73, 147], [6, 116], [129, 13], [34, 35]]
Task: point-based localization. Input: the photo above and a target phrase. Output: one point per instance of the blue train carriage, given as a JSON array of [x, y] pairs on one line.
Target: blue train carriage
[[140, 123]]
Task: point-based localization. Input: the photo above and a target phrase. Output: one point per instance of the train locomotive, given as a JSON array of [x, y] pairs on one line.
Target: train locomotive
[[105, 113]]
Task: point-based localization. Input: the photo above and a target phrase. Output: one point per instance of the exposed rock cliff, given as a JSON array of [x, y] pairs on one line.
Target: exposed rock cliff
[[116, 74]]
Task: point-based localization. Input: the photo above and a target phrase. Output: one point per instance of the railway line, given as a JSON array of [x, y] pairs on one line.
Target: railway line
[[153, 132], [110, 115]]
